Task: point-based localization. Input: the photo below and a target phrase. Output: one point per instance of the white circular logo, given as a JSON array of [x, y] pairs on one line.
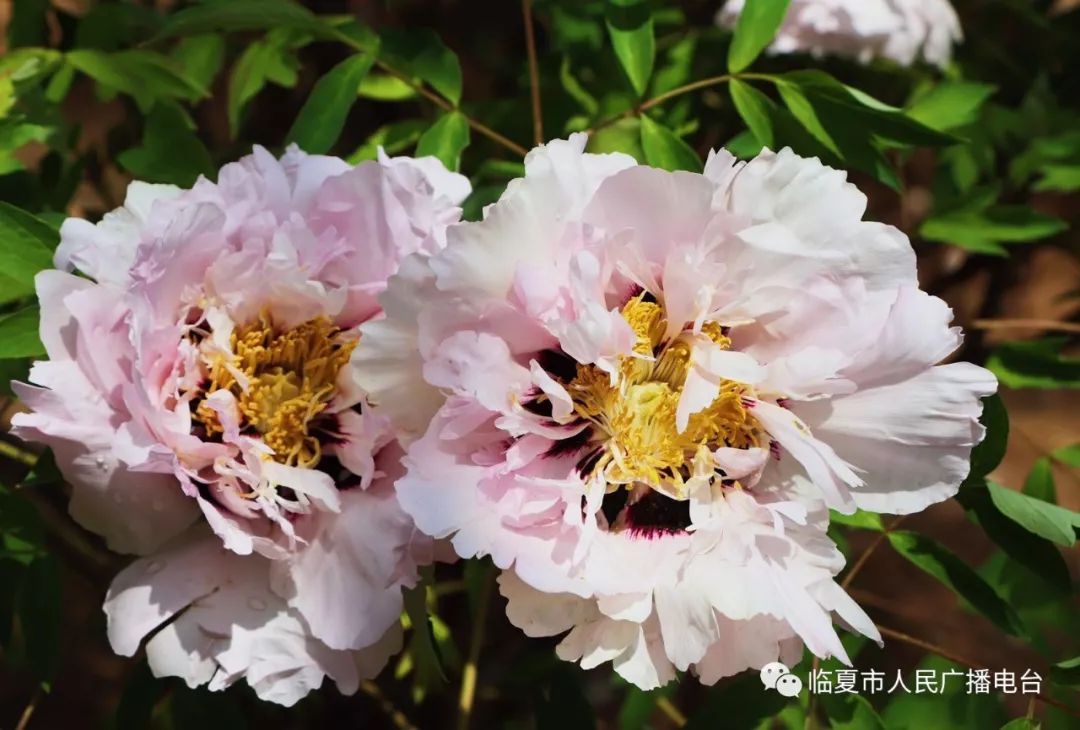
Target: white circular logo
[[772, 672]]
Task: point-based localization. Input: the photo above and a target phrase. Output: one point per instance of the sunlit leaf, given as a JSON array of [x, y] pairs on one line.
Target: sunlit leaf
[[630, 26], [1056, 524], [1035, 364], [19, 334], [322, 118], [950, 104], [753, 107], [754, 30], [446, 139], [421, 53], [665, 150]]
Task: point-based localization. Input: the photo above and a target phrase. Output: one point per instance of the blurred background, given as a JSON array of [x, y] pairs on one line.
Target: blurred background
[[993, 218]]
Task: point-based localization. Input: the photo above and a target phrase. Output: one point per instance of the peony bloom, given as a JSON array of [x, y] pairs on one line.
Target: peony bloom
[[903, 31], [200, 398], [639, 391]]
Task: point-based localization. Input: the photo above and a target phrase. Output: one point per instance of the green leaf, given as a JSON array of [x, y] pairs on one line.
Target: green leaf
[[938, 561], [145, 76], [1056, 524], [1040, 557], [445, 139], [860, 519], [384, 87], [1059, 179], [239, 15], [201, 57], [1066, 455], [19, 334], [1040, 481], [754, 108], [272, 59], [170, 152], [1021, 723], [986, 456], [630, 27], [851, 712], [950, 104], [421, 53], [393, 138], [1067, 672], [664, 150], [754, 30], [1035, 364], [576, 91], [983, 230], [322, 118], [427, 653], [26, 245]]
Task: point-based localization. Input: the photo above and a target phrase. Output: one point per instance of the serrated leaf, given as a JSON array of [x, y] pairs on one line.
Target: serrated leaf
[[446, 139], [936, 560], [19, 334], [664, 150], [322, 118], [1056, 524], [753, 106], [986, 456], [238, 15], [754, 30], [630, 27], [950, 104], [1035, 364], [421, 53]]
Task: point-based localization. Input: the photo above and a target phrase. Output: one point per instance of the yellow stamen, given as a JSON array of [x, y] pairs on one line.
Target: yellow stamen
[[289, 378], [636, 416]]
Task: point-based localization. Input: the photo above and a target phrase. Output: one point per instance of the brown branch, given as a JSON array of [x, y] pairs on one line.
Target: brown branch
[[1049, 325], [445, 105], [660, 99], [958, 659], [534, 72], [858, 566]]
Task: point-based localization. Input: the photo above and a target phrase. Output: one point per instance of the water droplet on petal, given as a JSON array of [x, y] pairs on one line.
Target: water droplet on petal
[[154, 566]]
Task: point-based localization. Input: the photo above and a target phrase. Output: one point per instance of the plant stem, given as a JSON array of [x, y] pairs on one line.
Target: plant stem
[[372, 690], [1049, 325], [27, 713], [869, 551], [671, 711], [15, 453], [468, 675], [534, 72]]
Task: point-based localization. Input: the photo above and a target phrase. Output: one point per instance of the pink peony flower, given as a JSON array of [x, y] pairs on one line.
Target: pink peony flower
[[200, 398], [639, 391], [903, 31]]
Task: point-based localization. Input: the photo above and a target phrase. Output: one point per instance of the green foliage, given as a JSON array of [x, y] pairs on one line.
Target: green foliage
[[422, 54], [1035, 364], [170, 152], [664, 149], [936, 560], [323, 115], [445, 139], [755, 29], [630, 26]]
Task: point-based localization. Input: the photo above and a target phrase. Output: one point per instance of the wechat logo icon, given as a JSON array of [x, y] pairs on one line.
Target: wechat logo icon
[[776, 675]]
